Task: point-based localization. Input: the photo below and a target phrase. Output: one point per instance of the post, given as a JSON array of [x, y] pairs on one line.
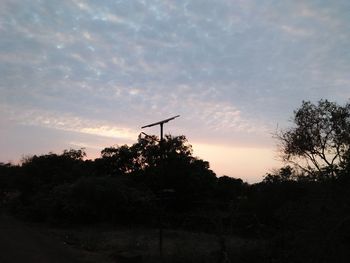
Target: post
[[161, 146], [161, 123]]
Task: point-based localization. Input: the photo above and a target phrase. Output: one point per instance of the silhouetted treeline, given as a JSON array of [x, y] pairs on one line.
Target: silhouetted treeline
[[126, 184], [303, 218]]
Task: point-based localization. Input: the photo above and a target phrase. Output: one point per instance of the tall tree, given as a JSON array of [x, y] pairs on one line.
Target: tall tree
[[320, 138], [177, 170]]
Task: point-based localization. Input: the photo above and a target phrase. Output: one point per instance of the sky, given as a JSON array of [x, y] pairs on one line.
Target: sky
[[90, 73]]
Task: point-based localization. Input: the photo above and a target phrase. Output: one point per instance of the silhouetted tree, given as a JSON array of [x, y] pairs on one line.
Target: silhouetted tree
[[170, 166], [229, 189], [321, 137], [118, 160], [54, 168], [188, 176], [284, 174]]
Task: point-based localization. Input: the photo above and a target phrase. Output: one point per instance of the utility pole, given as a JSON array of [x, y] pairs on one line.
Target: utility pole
[[161, 124]]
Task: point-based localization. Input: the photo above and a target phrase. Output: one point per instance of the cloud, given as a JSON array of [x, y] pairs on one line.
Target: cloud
[[221, 116], [68, 122], [231, 69], [85, 145], [295, 31]]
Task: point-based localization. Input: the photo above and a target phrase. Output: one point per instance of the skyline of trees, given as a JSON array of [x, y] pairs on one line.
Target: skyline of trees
[[294, 211]]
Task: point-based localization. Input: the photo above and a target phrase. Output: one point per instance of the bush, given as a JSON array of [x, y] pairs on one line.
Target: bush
[[95, 199]]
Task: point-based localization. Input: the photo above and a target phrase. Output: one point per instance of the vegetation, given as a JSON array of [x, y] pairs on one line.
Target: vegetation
[[320, 141], [300, 213]]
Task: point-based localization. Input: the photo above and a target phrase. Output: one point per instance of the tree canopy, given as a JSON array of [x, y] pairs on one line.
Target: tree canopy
[[291, 211], [320, 138]]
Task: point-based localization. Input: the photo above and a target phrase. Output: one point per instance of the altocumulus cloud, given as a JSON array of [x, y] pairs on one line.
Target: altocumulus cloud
[[232, 69]]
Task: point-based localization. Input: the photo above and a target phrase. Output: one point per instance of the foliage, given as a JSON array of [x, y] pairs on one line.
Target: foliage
[[292, 210], [95, 199], [229, 189], [166, 165], [126, 182], [320, 139], [284, 174]]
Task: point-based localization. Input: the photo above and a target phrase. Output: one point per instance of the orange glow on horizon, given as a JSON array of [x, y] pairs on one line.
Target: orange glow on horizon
[[249, 164]]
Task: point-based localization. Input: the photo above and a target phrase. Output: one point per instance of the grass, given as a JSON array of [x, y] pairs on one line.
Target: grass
[[112, 244]]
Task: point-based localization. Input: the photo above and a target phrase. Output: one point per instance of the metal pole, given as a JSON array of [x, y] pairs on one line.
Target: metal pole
[[161, 194], [161, 123]]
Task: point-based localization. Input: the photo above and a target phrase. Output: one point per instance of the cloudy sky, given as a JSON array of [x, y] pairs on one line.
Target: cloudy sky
[[91, 73]]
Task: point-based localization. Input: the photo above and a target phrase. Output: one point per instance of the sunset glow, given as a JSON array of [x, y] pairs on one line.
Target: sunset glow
[[91, 73]]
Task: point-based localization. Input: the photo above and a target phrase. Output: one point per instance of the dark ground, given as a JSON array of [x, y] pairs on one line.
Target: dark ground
[[20, 242]]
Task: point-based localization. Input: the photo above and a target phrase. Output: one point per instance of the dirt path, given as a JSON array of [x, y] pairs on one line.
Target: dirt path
[[22, 243]]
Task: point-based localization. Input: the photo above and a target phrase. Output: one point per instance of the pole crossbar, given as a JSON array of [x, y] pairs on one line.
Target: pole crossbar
[[160, 122]]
